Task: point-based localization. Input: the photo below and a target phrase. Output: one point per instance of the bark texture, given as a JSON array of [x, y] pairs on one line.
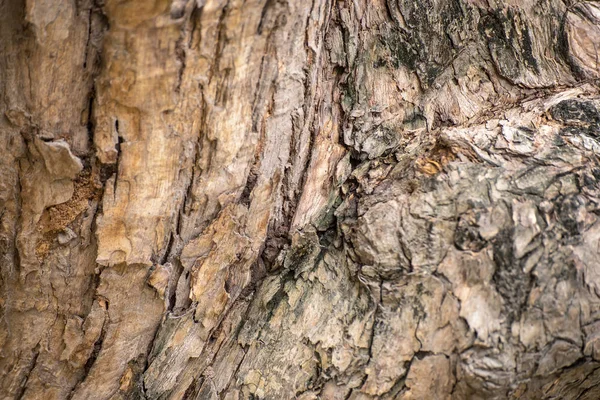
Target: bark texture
[[299, 199]]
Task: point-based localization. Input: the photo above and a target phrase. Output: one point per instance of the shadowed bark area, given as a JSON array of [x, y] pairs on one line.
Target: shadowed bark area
[[290, 199]]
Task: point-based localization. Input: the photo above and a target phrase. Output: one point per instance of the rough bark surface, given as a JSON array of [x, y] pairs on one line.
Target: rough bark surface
[[279, 199]]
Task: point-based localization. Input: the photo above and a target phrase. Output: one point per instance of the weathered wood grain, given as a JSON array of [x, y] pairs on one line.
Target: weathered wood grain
[[279, 199]]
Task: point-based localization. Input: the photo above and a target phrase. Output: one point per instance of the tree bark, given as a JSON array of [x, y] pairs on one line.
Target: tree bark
[[293, 199]]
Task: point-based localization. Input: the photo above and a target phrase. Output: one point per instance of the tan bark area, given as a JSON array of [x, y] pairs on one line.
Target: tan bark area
[[279, 199]]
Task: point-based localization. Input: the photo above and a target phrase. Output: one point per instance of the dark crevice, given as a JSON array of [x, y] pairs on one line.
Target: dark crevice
[[250, 184], [178, 8], [195, 36], [172, 294], [180, 53], [376, 311], [183, 43], [562, 48], [263, 14], [96, 349], [30, 368], [120, 141], [221, 41], [168, 249], [188, 193], [19, 205], [191, 391], [233, 375], [90, 122], [89, 34]]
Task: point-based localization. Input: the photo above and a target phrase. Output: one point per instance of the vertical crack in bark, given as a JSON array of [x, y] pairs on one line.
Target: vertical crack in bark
[[89, 34], [234, 375], [395, 223], [95, 350], [221, 28], [30, 368], [118, 149], [183, 43], [311, 86]]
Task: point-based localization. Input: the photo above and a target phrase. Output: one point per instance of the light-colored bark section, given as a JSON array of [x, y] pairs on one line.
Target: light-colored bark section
[[227, 199]]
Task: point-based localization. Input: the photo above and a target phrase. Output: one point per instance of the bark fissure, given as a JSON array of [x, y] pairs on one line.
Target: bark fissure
[[287, 199]]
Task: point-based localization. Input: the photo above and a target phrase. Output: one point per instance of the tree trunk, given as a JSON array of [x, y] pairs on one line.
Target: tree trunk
[[271, 199]]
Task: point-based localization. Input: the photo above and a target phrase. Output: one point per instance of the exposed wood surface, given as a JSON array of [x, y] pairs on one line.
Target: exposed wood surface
[[294, 199]]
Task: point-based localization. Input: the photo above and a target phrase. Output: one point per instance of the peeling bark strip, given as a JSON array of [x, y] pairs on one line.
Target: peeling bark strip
[[271, 199]]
